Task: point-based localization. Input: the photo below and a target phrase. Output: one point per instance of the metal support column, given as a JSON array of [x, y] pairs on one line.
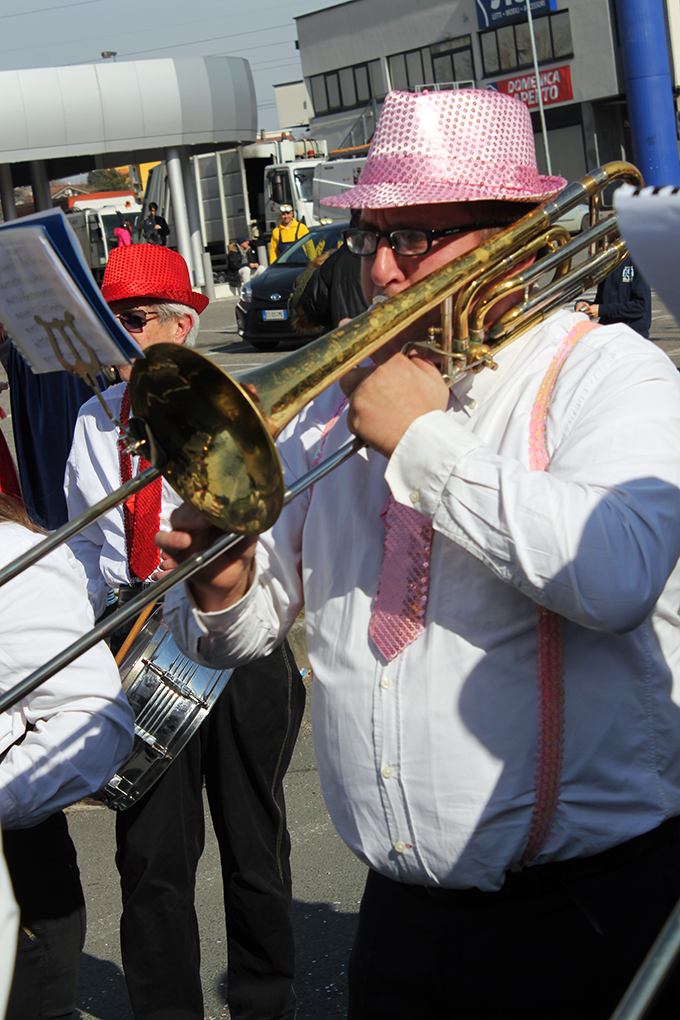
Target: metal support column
[[192, 212], [179, 208], [649, 90], [9, 208], [539, 89], [42, 197]]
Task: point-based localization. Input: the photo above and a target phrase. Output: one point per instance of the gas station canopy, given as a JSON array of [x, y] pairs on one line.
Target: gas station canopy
[[88, 116]]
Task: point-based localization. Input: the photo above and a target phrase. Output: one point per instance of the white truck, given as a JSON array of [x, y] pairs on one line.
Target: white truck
[[95, 227], [240, 190], [123, 200], [330, 178]]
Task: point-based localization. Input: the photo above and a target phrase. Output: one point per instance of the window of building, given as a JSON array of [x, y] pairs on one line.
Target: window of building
[[333, 91], [443, 62], [398, 74], [377, 79], [346, 88], [561, 34], [319, 100], [508, 48], [452, 60]]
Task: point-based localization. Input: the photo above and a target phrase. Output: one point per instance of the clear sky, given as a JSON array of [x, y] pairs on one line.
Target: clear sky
[[49, 33]]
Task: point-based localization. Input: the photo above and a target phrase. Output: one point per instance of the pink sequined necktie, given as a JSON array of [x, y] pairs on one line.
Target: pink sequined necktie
[[398, 616]]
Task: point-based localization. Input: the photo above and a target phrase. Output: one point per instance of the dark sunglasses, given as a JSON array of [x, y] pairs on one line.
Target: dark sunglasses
[[135, 320], [408, 241]]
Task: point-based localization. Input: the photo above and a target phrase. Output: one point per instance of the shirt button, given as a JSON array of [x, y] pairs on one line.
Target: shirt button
[[400, 847], [386, 683], [387, 771], [472, 404], [414, 496]]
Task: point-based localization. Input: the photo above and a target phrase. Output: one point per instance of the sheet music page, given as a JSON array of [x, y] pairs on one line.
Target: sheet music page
[[46, 313], [649, 220]]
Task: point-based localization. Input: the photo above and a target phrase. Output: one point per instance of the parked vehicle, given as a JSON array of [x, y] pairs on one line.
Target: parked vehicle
[[95, 227], [578, 218], [126, 201], [331, 177], [263, 313], [240, 190]]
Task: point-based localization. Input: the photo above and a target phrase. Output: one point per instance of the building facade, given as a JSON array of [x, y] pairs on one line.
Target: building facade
[[353, 54]]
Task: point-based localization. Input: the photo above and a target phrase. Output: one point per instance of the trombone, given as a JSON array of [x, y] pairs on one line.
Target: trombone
[[212, 436]]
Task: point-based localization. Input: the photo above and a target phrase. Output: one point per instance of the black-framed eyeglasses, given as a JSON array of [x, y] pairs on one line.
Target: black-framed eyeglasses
[[407, 241], [135, 320]]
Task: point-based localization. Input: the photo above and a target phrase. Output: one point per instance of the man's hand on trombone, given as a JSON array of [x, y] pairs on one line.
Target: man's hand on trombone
[[385, 399], [221, 583]]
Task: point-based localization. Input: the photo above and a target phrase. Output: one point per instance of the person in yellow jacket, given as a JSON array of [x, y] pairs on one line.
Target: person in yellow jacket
[[287, 233]]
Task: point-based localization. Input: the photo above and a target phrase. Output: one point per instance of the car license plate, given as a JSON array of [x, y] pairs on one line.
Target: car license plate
[[275, 313]]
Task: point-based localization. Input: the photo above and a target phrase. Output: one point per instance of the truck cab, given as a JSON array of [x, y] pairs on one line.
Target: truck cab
[[291, 184], [94, 229]]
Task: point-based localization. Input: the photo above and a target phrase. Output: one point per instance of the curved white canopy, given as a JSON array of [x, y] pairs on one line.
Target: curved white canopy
[[127, 107]]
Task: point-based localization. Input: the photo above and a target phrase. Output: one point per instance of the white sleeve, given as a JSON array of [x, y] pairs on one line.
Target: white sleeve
[[595, 537], [259, 622], [75, 729], [92, 473], [262, 618]]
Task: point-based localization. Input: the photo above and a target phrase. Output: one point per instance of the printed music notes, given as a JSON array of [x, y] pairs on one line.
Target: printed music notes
[[50, 303]]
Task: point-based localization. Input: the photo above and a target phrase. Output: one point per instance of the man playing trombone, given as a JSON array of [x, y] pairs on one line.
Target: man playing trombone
[[491, 597]]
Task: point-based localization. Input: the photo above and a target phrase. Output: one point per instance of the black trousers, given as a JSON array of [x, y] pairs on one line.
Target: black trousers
[[243, 749], [558, 942], [42, 865]]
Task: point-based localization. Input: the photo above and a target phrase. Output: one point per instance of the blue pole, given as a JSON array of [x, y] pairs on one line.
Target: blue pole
[[649, 90]]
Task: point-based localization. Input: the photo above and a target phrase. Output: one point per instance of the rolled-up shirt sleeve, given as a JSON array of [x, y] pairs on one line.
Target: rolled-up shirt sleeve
[[594, 537]]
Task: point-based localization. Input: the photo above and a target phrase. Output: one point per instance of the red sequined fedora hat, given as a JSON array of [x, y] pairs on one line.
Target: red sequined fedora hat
[[452, 146], [149, 271]]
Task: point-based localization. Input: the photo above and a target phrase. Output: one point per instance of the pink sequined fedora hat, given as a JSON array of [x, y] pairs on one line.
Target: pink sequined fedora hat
[[451, 146]]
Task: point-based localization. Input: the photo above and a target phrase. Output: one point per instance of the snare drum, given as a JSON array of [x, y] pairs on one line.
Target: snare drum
[[171, 696]]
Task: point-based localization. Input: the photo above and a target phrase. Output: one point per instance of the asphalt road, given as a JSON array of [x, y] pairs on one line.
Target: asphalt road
[[327, 879]]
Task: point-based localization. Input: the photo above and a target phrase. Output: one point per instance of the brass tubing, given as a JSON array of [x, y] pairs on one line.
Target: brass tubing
[[159, 588], [522, 317], [469, 295], [71, 528], [554, 261], [286, 386]]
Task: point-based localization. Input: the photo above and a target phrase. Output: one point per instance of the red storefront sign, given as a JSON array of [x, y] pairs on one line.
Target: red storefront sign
[[555, 87]]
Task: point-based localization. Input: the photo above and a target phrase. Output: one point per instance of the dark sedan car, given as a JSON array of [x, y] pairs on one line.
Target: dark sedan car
[[263, 310]]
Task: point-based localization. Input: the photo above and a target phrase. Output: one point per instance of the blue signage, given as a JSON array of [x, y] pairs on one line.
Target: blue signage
[[491, 13]]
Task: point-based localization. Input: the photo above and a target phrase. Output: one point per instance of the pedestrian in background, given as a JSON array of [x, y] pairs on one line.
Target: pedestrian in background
[[286, 234], [155, 229], [623, 296]]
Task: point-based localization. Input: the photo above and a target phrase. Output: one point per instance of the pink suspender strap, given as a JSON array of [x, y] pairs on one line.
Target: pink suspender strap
[[550, 659]]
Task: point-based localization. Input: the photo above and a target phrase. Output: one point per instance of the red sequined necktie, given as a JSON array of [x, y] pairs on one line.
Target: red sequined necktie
[[142, 512], [398, 616]]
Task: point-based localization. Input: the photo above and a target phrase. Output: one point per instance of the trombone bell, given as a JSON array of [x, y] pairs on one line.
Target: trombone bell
[[213, 445]]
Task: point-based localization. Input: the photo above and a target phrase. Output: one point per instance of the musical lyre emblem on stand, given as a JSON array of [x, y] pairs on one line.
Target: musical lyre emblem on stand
[[87, 370]]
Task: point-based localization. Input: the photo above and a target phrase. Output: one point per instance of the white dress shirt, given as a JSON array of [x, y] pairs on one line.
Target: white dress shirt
[[427, 763], [76, 727], [93, 472]]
